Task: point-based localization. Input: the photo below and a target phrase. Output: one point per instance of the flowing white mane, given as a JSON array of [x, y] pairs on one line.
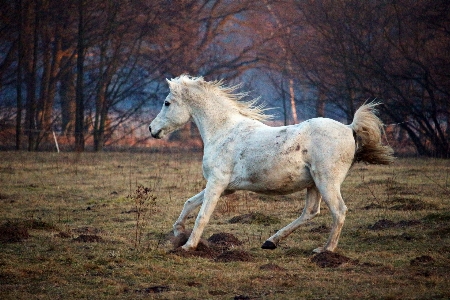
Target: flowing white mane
[[248, 108]]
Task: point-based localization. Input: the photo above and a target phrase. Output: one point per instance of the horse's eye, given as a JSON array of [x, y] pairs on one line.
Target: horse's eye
[[166, 103]]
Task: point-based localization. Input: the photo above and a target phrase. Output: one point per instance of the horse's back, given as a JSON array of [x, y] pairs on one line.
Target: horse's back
[[281, 158]]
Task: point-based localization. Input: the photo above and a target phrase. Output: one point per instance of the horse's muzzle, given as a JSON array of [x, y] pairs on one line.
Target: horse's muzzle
[[155, 135]]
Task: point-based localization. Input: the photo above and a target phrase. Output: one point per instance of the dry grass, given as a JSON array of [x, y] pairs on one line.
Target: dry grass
[[76, 233]]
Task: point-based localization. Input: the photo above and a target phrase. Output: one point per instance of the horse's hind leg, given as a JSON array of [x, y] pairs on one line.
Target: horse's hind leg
[[332, 196], [312, 208]]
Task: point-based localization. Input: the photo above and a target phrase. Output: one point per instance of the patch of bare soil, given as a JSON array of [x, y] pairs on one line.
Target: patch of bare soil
[[423, 265], [216, 247], [329, 259], [88, 238], [382, 224], [224, 240], [202, 250], [181, 239], [254, 218], [13, 232], [4, 197], [153, 289], [217, 293], [422, 260], [386, 224], [272, 267], [241, 297], [16, 231]]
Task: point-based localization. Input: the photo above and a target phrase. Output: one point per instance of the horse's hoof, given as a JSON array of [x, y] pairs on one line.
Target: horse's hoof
[[268, 245], [186, 247], [319, 250], [178, 230]]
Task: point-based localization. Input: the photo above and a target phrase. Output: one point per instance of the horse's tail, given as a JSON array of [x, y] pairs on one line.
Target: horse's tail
[[368, 129]]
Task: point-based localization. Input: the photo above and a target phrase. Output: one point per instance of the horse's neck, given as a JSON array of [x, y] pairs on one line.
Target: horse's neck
[[215, 119]]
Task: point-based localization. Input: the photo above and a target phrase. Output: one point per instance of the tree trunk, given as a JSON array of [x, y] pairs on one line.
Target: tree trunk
[[101, 112], [79, 110], [19, 78], [30, 49], [45, 83], [67, 96]]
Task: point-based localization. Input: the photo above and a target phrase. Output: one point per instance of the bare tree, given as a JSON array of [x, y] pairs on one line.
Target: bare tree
[[352, 51]]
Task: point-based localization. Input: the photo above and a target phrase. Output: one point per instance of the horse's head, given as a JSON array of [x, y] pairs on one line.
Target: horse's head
[[173, 115]]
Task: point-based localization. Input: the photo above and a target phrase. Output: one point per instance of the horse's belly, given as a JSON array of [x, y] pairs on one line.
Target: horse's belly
[[273, 181]]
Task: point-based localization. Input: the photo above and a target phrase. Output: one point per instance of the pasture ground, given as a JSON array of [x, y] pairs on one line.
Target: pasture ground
[[97, 226]]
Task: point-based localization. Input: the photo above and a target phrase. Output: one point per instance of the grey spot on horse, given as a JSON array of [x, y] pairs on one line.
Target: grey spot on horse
[[305, 151], [253, 178], [297, 148]]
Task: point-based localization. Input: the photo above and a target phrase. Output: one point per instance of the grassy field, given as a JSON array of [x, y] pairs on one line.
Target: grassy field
[[76, 226]]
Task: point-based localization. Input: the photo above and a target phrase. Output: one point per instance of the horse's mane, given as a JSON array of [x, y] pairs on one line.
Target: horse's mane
[[248, 108]]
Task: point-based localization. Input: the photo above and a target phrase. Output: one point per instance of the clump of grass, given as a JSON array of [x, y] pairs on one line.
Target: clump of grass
[[143, 200]]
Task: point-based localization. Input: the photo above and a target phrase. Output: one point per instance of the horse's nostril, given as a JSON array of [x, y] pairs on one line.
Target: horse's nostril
[[150, 128]]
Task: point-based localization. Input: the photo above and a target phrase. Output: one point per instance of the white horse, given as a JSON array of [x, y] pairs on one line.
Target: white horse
[[242, 153]]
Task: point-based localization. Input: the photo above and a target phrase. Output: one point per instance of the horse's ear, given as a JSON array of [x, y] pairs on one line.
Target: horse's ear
[[170, 83]]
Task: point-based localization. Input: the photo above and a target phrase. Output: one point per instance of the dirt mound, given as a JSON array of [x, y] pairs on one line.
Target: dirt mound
[[382, 224], [386, 224], [254, 218], [16, 231], [422, 260], [329, 259], [212, 248], [182, 238], [88, 238], [202, 250], [234, 255], [153, 289], [224, 240], [13, 232], [241, 297]]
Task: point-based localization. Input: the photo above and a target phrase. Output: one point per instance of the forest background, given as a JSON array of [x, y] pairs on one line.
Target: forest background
[[91, 74]]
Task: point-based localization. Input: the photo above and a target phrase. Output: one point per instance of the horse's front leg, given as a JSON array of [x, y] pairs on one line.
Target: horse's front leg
[[189, 206], [212, 194]]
